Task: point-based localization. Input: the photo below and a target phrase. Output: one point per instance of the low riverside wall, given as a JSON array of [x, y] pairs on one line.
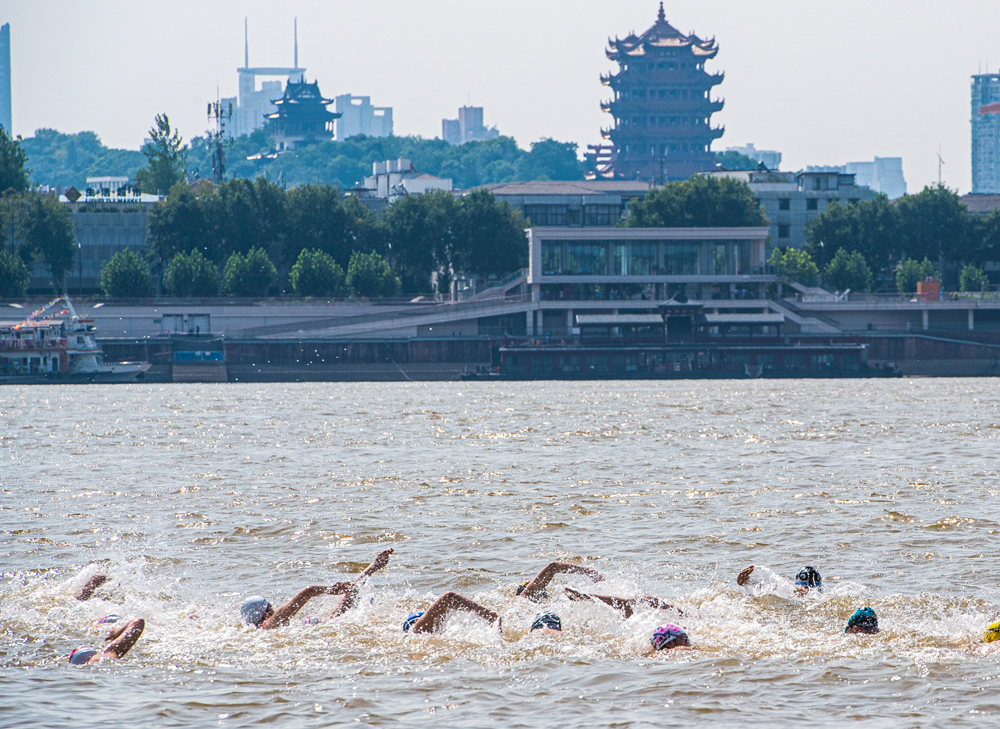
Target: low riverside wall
[[269, 360]]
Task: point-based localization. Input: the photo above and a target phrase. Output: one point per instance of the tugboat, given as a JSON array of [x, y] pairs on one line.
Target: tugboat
[[50, 349]]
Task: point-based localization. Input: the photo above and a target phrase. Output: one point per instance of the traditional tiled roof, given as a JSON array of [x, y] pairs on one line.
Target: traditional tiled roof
[[661, 35]]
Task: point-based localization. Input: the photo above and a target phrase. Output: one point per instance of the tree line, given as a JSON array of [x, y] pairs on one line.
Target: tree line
[[880, 244]]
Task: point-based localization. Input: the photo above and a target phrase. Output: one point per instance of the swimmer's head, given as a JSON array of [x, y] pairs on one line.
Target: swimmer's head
[[864, 620], [110, 618], [81, 655], [547, 621], [255, 610], [669, 636], [543, 595], [808, 577], [311, 620], [992, 632], [410, 620]]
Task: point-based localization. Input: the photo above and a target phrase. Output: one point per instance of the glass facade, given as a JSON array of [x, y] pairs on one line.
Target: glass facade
[[645, 258]]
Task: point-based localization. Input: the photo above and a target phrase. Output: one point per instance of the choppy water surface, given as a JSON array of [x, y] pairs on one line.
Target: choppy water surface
[[192, 497]]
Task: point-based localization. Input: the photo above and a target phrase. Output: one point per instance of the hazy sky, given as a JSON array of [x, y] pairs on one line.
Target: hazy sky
[[822, 82]]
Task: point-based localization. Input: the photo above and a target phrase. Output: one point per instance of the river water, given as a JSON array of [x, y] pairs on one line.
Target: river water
[[191, 497]]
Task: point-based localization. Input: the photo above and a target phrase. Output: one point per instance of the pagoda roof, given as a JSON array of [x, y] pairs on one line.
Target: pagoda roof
[[661, 35], [302, 93]]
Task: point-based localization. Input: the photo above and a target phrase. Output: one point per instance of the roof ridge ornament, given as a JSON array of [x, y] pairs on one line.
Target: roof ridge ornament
[[660, 16]]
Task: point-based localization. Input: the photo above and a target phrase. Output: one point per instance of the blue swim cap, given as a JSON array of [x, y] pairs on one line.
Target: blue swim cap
[[111, 618], [808, 577], [865, 618], [411, 619], [81, 655], [666, 633], [547, 620], [254, 609]]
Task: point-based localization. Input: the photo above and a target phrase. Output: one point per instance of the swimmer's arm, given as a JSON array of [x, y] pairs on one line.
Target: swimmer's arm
[[126, 639], [287, 611], [435, 615], [117, 630], [351, 594], [543, 578], [744, 576], [87, 591]]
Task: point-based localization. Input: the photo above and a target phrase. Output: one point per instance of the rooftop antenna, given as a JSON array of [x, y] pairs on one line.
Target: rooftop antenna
[[296, 43], [246, 45], [940, 163]]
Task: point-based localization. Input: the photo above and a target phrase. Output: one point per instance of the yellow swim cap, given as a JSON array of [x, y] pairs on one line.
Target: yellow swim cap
[[992, 632]]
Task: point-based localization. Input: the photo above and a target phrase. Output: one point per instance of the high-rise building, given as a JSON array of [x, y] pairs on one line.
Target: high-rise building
[[661, 106], [358, 116], [986, 133], [5, 110], [885, 174], [468, 127]]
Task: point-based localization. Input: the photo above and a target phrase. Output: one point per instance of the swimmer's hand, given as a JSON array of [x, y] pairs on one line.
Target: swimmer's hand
[[801, 591], [117, 630], [575, 595], [744, 576], [380, 561], [93, 583]]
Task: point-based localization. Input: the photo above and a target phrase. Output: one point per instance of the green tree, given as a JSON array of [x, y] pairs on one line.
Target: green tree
[[191, 274], [247, 214], [13, 175], [166, 158], [249, 275], [126, 275], [69, 159], [369, 275], [732, 160], [910, 271], [315, 273], [972, 278], [491, 239], [795, 265], [700, 202], [319, 220], [423, 232], [849, 271], [14, 276], [934, 224], [547, 160], [181, 222]]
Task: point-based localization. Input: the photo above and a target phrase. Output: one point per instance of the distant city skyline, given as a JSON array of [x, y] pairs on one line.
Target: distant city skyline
[[822, 84]]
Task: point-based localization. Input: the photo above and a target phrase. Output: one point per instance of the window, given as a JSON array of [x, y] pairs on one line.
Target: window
[[551, 258], [812, 204], [586, 258], [794, 361], [601, 214], [784, 231], [569, 364], [541, 364], [547, 215], [643, 259], [680, 259], [784, 204], [821, 361]]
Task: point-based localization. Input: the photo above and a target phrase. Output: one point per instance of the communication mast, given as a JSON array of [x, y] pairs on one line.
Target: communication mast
[[222, 114]]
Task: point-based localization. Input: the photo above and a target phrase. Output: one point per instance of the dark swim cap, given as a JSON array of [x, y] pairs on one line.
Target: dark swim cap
[[547, 620], [808, 577], [865, 618]]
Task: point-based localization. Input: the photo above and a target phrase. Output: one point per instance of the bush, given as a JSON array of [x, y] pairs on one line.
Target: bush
[[315, 273], [249, 275], [126, 275], [191, 274], [972, 278], [849, 271], [909, 271], [369, 275], [795, 265], [14, 276]]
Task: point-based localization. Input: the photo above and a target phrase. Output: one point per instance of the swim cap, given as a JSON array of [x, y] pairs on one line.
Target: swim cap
[[411, 619], [254, 609], [992, 632], [865, 618], [808, 577], [81, 655], [543, 595], [547, 620], [111, 618], [664, 634], [311, 620]]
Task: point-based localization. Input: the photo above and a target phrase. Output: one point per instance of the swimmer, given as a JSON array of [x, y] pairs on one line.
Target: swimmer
[[626, 605], [670, 638], [992, 635], [548, 623], [257, 611], [534, 590], [433, 618], [123, 637], [87, 591], [808, 578], [864, 621]]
